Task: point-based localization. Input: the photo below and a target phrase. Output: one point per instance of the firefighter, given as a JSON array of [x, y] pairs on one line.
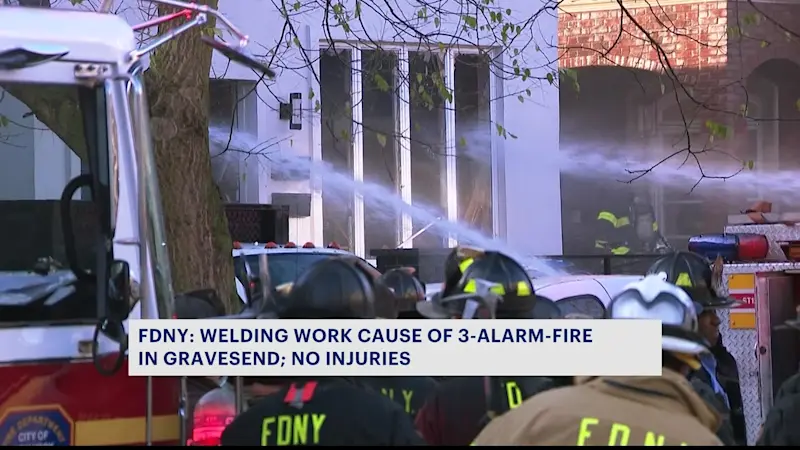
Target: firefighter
[[408, 392], [627, 411], [630, 227], [704, 284], [780, 426], [461, 406], [329, 410]]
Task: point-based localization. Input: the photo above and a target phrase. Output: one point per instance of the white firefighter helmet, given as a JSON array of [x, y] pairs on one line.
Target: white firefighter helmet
[[655, 298]]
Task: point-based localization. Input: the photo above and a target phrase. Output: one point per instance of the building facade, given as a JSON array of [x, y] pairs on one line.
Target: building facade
[[384, 139], [723, 70], [381, 158]]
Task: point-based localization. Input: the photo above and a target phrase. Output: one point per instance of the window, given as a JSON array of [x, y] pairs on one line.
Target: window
[[337, 146], [379, 108], [586, 305], [233, 109], [36, 166], [473, 137], [428, 141], [394, 118]]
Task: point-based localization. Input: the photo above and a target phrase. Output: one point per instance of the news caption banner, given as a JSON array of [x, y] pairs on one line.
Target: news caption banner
[[394, 348]]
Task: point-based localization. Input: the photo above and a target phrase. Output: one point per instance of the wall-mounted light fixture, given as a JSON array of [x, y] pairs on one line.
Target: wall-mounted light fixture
[[293, 111]]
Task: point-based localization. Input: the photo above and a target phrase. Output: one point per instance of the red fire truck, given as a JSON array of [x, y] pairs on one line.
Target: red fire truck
[[64, 306]]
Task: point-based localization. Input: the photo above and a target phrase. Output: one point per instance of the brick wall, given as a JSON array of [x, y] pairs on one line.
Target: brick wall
[[711, 46]]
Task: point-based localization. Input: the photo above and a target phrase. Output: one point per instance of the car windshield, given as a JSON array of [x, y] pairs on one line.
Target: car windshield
[[282, 267], [45, 271]]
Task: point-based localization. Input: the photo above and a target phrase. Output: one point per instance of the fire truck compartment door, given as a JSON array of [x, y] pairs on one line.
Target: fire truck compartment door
[[775, 349]]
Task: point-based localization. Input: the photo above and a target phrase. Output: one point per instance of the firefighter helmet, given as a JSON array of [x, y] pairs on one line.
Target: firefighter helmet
[[454, 267], [406, 288], [655, 298], [330, 289], [693, 273], [485, 273]]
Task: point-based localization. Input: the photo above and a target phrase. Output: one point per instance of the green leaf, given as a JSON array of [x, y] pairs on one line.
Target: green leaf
[[508, 12], [381, 139], [3, 121], [797, 104], [470, 21], [380, 82], [764, 44], [550, 78], [76, 2], [750, 164], [437, 22], [716, 129], [296, 6], [462, 142], [521, 99]]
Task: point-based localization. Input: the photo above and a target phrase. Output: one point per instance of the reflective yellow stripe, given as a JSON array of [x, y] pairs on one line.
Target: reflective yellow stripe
[[523, 288], [620, 250], [618, 222], [605, 215], [465, 264], [125, 431], [472, 287]]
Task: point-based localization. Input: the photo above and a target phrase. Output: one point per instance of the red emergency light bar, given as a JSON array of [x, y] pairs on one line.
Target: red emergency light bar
[[334, 245], [308, 245], [237, 245], [290, 245], [271, 245], [731, 247]]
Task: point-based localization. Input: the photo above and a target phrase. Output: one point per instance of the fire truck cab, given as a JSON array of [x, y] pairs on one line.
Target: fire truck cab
[[64, 303]]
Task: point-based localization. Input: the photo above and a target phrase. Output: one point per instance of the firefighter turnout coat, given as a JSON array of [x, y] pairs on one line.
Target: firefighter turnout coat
[[610, 411]]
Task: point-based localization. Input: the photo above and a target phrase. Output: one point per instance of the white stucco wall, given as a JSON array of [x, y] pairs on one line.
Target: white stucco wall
[[527, 191]]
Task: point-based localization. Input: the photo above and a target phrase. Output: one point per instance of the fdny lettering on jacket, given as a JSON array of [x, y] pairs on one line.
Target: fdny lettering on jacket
[[292, 429], [406, 394], [594, 432], [513, 394]]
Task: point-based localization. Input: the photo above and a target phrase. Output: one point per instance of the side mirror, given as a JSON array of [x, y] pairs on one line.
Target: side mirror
[[118, 300]]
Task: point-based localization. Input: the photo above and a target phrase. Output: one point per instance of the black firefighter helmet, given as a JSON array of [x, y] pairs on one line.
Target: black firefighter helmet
[[499, 275], [333, 288], [694, 274], [407, 290]]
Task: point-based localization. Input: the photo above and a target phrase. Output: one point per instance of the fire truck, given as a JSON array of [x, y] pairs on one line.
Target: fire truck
[[63, 374], [761, 269]]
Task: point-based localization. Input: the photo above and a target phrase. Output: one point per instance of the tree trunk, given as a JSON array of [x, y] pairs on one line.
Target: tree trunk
[[177, 86], [200, 244]]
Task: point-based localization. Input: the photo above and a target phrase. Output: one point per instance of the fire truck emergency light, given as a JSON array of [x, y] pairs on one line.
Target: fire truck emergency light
[[290, 245], [271, 245], [732, 247]]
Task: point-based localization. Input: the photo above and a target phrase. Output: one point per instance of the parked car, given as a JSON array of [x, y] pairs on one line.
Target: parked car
[[286, 262], [575, 295]]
